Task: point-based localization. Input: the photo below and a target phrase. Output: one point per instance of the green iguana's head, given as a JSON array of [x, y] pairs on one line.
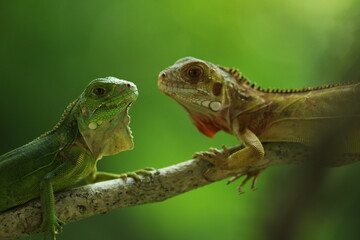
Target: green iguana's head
[[201, 87], [103, 118]]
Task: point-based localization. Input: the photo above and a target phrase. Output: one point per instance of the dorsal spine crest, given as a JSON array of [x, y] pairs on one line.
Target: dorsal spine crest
[[65, 114], [241, 79]]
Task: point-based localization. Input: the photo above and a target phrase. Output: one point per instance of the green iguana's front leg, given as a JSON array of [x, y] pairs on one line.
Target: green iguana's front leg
[[77, 162], [51, 224], [96, 176]]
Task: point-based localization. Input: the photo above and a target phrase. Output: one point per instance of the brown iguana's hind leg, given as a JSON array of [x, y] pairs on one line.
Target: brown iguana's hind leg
[[254, 175], [250, 156]]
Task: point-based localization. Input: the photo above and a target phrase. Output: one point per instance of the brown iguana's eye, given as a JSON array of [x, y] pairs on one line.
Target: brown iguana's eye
[[195, 72], [98, 91]]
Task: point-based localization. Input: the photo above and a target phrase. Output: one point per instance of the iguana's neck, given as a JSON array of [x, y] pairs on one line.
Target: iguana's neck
[[236, 102], [65, 131], [113, 136]]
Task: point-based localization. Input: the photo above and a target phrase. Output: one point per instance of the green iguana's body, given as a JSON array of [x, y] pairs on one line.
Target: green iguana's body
[[218, 98], [95, 125]]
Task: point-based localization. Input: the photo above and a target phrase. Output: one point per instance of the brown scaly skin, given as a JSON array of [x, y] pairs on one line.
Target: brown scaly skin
[[218, 98]]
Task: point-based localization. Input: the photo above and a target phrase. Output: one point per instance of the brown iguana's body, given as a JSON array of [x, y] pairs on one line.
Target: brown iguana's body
[[218, 98], [296, 116]]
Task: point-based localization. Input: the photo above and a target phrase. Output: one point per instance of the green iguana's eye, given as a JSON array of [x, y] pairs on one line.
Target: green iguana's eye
[[195, 72], [98, 91]]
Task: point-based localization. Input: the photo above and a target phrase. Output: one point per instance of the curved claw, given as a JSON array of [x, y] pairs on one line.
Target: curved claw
[[233, 179], [207, 156], [124, 177], [148, 172], [225, 150], [58, 226], [214, 156], [249, 175], [214, 150], [198, 155], [134, 175], [50, 229]]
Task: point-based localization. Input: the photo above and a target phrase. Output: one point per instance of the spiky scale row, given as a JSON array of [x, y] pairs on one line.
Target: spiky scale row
[[65, 114], [235, 72], [243, 80]]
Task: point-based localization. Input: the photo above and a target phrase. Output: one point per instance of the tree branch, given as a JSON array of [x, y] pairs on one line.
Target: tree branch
[[78, 203]]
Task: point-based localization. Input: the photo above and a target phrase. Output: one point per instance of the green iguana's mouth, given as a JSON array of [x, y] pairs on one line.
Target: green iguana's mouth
[[123, 101], [119, 103]]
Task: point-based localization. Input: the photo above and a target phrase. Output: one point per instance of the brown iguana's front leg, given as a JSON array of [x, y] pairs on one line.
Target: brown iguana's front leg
[[250, 156]]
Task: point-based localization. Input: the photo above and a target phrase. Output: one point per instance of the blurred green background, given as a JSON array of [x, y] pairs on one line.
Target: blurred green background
[[50, 50]]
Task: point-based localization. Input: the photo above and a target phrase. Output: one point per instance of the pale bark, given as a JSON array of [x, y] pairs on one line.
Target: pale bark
[[81, 202]]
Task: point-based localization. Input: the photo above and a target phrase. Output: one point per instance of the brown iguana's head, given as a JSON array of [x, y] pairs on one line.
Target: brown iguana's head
[[202, 88]]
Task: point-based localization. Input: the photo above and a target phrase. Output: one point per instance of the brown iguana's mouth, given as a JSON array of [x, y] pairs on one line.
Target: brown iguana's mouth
[[185, 93], [174, 86], [179, 88]]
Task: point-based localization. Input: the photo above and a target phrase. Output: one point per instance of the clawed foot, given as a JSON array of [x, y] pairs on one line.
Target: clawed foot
[[51, 228], [254, 175], [214, 156], [222, 161], [147, 172]]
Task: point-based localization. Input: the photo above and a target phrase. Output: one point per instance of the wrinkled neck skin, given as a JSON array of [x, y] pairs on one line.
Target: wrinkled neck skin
[[207, 121], [111, 137], [235, 102]]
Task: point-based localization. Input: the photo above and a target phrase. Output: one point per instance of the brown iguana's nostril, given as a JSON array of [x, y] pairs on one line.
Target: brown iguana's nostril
[[162, 75]]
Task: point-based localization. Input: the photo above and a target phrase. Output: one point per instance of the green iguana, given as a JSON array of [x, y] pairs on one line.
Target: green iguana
[[218, 98], [96, 124]]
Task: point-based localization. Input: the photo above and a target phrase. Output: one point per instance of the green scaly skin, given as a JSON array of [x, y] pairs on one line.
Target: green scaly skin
[[218, 98], [96, 124]]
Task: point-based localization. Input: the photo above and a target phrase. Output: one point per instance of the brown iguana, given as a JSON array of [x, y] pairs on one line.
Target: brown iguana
[[218, 98]]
